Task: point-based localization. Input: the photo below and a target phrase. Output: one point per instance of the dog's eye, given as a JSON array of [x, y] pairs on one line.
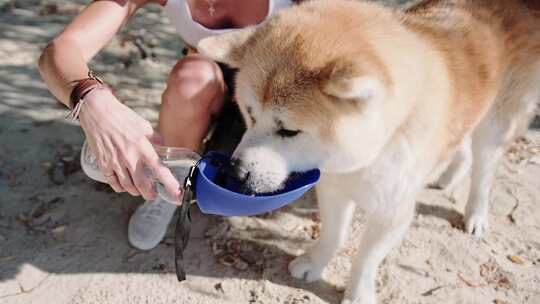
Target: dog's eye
[[250, 114], [287, 133]]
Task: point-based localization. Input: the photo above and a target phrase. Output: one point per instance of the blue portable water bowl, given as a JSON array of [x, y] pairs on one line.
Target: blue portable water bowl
[[204, 184], [215, 199]]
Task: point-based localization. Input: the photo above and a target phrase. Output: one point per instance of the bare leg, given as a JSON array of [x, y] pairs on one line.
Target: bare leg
[[336, 213], [195, 91]]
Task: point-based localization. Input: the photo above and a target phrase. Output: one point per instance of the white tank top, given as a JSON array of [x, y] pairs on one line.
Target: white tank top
[[192, 32]]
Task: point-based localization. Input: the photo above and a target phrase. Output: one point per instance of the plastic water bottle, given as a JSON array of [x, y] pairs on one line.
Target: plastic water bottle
[[178, 160]]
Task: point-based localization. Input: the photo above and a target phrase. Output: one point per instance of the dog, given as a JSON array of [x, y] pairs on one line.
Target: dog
[[381, 100]]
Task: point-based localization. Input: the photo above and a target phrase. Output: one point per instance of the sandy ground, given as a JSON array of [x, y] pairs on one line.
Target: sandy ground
[[63, 237]]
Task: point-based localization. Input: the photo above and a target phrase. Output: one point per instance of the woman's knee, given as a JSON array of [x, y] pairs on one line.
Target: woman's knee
[[194, 84]]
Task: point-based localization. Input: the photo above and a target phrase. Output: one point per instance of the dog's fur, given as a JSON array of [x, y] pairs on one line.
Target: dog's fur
[[380, 100]]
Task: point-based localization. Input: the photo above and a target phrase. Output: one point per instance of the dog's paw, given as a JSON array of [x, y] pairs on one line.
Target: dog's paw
[[303, 268], [476, 223]]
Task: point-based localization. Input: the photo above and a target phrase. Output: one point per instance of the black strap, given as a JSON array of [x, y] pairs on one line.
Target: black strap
[[183, 225]]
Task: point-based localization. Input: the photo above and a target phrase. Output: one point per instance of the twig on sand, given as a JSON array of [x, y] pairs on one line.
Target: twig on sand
[[432, 290], [469, 282], [510, 215], [7, 258]]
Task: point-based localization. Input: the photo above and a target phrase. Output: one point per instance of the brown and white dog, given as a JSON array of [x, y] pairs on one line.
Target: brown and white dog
[[381, 100]]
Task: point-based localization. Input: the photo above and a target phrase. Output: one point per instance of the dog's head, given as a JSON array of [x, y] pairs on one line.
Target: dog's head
[[311, 94]]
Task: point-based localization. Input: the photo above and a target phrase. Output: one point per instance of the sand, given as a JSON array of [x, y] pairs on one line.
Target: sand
[[63, 237]]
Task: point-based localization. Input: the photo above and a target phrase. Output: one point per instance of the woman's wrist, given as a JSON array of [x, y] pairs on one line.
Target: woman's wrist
[[97, 102], [82, 88]]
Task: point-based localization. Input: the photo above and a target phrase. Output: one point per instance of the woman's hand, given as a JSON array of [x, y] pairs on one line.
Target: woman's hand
[[121, 142]]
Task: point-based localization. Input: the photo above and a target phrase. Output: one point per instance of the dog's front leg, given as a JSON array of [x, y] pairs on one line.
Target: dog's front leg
[[385, 228], [336, 212]]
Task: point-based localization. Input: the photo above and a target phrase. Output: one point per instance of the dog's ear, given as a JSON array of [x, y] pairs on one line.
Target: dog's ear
[[228, 48], [352, 81]]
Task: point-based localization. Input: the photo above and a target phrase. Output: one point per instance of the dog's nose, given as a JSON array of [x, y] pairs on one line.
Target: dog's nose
[[238, 169], [241, 175]]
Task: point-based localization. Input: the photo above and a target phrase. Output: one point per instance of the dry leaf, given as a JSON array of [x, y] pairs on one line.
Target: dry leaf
[[21, 217], [232, 246], [216, 249], [534, 160], [240, 265], [59, 229], [534, 150], [516, 259], [219, 287], [131, 254], [227, 260], [7, 259], [467, 281], [493, 274]]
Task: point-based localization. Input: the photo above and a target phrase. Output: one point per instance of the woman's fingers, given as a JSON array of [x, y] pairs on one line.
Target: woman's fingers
[[143, 182], [112, 180], [124, 177], [156, 139], [115, 173], [110, 175], [133, 160], [160, 172], [123, 146]]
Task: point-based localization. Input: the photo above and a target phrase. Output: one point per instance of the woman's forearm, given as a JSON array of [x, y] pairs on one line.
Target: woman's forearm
[[60, 65], [65, 59], [119, 137]]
